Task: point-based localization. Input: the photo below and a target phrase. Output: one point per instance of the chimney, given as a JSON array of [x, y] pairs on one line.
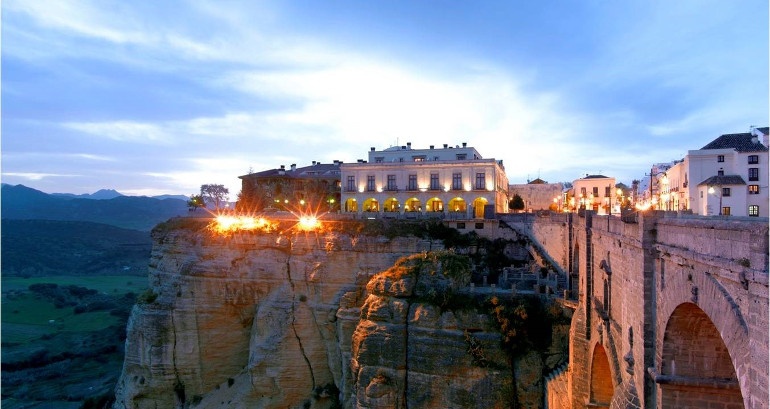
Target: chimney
[[409, 145], [282, 170], [360, 161], [403, 147], [445, 145], [372, 149], [293, 167], [465, 144], [431, 146]]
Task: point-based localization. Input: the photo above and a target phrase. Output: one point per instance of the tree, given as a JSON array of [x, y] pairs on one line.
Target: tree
[[195, 202], [216, 194], [517, 203]]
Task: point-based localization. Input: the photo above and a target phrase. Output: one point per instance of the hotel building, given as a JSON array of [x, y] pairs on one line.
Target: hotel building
[[450, 181]]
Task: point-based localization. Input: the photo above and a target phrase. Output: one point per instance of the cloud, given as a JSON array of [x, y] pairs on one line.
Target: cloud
[[123, 131], [36, 176]]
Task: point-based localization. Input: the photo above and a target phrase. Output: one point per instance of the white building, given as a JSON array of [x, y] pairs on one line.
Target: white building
[[594, 192], [730, 175], [401, 180]]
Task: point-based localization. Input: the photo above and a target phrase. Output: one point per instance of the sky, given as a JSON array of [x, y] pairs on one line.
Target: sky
[[151, 98]]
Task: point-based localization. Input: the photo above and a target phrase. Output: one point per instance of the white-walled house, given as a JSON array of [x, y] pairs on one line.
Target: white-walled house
[[594, 192], [400, 180], [730, 175]]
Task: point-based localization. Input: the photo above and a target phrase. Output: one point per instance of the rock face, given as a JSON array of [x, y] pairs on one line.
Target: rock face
[[308, 320], [408, 353]]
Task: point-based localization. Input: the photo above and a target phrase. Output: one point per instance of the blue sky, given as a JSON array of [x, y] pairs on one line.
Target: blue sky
[[152, 97]]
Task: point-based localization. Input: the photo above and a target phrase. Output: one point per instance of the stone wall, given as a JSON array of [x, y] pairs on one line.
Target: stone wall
[[637, 279]]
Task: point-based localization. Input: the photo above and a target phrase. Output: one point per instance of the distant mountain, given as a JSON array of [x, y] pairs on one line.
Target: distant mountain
[[130, 212], [51, 247], [178, 197], [103, 194]]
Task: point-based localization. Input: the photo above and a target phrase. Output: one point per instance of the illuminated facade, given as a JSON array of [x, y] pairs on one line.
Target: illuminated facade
[[594, 192], [310, 188], [454, 181]]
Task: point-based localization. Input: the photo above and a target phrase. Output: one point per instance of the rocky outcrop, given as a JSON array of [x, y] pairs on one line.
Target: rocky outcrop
[[296, 319], [249, 319], [407, 352]]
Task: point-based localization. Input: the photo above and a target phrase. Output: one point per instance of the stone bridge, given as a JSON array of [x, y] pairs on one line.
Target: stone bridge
[[672, 311]]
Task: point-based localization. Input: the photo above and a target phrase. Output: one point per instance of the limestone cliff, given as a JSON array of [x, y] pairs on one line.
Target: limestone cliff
[[293, 319]]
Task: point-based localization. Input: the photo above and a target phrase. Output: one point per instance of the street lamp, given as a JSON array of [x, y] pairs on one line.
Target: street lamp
[[711, 192]]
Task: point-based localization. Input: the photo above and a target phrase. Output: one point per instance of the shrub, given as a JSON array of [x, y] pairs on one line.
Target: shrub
[[147, 297]]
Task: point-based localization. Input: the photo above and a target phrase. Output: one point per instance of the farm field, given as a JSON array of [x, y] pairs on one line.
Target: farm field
[[62, 337]]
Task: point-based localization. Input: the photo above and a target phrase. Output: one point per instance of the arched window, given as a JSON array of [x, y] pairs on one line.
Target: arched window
[[392, 205], [435, 205], [457, 205]]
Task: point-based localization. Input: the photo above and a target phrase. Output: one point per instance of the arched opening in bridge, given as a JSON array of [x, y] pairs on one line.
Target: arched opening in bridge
[[478, 207], [696, 364], [392, 205], [351, 205], [601, 379]]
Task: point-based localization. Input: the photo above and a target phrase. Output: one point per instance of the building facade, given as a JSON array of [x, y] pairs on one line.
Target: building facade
[[539, 195], [594, 192], [730, 175], [313, 188], [400, 180]]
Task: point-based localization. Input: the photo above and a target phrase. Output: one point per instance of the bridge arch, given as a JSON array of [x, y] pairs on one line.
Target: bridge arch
[[695, 363], [602, 388], [703, 293]]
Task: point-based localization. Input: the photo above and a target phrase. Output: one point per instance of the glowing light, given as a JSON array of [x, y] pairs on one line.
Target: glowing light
[[308, 223], [224, 224]]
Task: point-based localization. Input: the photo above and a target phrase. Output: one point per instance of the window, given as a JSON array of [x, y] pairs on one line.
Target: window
[[720, 158], [420, 158], [753, 189], [481, 181], [725, 191], [392, 182], [462, 156], [595, 191], [434, 181], [753, 174], [754, 210], [460, 225], [370, 183], [721, 172], [457, 181], [379, 159], [583, 191], [479, 226], [412, 182], [351, 184], [607, 191], [726, 211], [753, 159], [701, 194]]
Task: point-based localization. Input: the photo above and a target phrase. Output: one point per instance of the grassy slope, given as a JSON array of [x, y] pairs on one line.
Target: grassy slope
[[60, 363]]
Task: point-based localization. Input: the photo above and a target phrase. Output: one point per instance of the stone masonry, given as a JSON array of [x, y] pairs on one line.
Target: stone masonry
[[672, 311]]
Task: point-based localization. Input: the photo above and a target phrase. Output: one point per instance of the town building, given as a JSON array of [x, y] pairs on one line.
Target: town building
[[539, 195], [310, 188], [450, 181], [730, 175], [594, 192]]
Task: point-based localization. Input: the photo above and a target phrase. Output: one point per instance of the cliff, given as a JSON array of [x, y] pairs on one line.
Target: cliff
[[303, 320]]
